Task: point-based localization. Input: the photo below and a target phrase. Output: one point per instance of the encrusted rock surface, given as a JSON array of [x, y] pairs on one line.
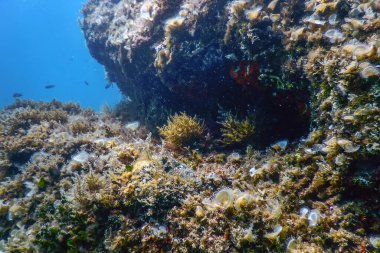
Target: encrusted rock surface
[[202, 57], [270, 59], [75, 181], [72, 180]]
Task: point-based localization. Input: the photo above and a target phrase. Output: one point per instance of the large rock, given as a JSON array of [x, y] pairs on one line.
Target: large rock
[[260, 58], [201, 57]]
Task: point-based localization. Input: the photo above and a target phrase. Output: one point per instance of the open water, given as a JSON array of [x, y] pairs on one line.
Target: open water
[[41, 44]]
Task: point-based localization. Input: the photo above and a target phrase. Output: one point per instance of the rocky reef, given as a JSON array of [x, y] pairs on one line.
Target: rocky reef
[[75, 181], [203, 57], [271, 60], [283, 100]]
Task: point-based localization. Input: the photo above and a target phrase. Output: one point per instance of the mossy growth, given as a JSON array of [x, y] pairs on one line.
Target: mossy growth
[[81, 126], [182, 129], [42, 184], [235, 131], [72, 233]]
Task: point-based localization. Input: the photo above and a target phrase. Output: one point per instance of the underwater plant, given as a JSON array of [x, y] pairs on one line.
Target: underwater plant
[[236, 131], [182, 129]]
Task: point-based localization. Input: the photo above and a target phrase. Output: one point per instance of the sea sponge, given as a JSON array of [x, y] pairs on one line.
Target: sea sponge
[[182, 129]]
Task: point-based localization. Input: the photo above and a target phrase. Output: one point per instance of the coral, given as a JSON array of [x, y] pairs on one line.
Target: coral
[[182, 130]]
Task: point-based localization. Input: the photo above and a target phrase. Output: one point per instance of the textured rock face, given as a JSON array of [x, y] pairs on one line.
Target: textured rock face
[[201, 57], [288, 63], [75, 181]]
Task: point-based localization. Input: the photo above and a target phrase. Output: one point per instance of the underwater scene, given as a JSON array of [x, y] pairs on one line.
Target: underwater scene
[[190, 126]]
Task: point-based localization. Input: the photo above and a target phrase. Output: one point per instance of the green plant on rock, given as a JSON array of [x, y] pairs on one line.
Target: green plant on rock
[[182, 129], [235, 131]]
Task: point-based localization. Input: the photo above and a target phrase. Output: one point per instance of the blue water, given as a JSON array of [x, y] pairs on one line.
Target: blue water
[[41, 43]]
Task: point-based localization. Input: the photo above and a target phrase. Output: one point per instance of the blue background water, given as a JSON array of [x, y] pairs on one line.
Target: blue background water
[[40, 43]]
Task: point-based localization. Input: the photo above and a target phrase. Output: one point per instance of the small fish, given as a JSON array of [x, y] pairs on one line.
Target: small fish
[[108, 85], [17, 95], [49, 86], [86, 83]]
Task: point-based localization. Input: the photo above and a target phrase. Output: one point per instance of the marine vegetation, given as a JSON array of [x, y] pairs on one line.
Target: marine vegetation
[[72, 180], [182, 129], [116, 189], [235, 131]]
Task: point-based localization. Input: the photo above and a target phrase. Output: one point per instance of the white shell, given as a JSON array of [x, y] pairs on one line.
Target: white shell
[[375, 241], [334, 35], [304, 211], [224, 198], [252, 171], [81, 157], [291, 245], [273, 235], [314, 217], [132, 125]]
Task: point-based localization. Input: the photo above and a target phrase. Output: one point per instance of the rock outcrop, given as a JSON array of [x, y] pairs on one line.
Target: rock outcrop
[[268, 59]]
